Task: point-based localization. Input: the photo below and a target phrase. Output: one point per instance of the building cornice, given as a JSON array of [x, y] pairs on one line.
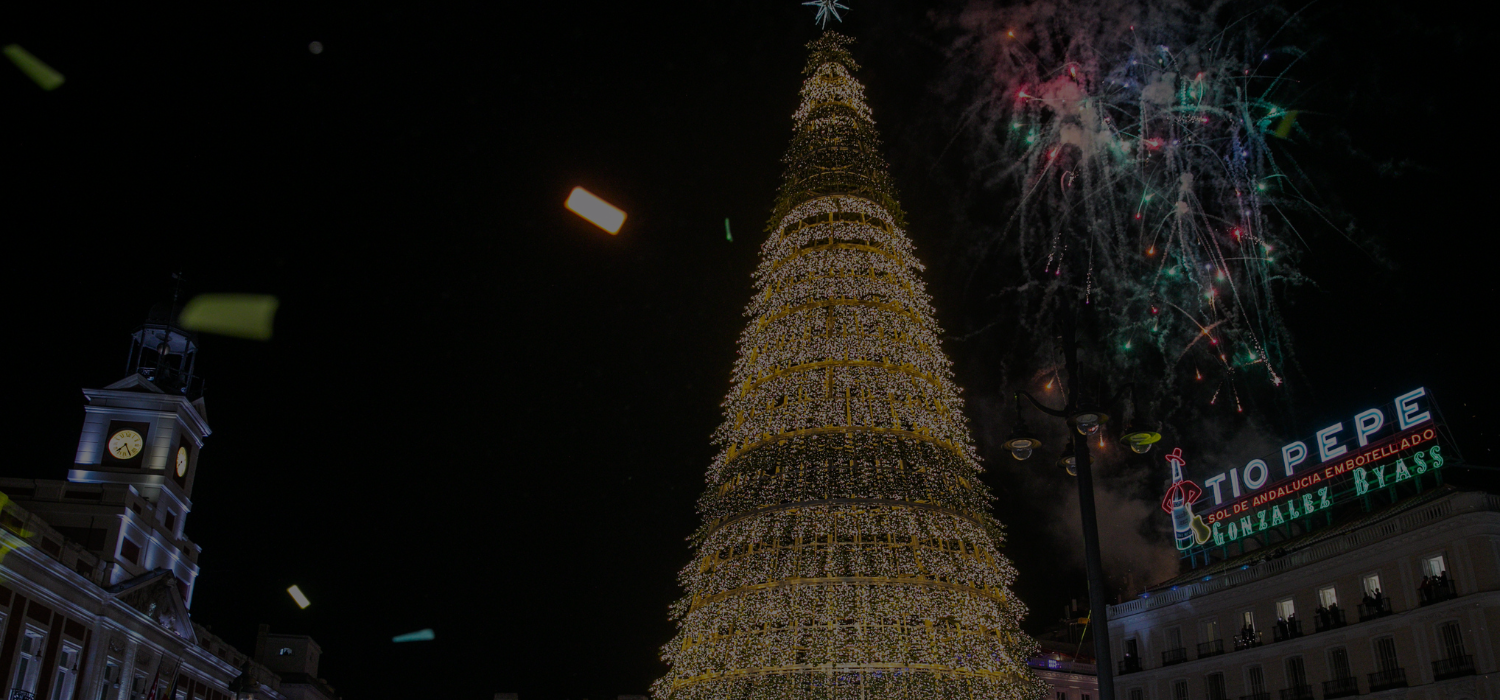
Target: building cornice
[[1448, 508]]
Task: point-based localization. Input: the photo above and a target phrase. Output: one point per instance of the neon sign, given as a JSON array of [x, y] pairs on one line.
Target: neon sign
[[1373, 453]]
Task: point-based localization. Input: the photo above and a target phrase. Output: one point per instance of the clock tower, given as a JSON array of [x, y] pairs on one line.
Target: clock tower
[[146, 429], [130, 487]]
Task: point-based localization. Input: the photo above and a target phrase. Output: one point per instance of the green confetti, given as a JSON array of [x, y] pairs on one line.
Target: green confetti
[[33, 67], [727, 235], [239, 315]]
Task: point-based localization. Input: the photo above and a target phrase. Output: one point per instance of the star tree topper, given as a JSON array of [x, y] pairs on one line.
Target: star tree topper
[[826, 8]]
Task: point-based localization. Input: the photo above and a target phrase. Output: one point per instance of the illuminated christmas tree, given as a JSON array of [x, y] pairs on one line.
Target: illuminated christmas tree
[[847, 551]]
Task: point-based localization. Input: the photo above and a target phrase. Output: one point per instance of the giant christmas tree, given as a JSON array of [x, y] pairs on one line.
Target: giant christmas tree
[[847, 550]]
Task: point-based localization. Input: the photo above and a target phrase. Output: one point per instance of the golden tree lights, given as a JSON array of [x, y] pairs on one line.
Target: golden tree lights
[[847, 549]]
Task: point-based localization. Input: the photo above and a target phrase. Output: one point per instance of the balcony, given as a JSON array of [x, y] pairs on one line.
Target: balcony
[[1387, 679], [18, 694], [1256, 696], [1243, 642], [1207, 649], [1173, 656], [1129, 664], [1328, 620], [1443, 669], [1340, 688], [1374, 609], [1437, 593], [1297, 692], [1286, 629]]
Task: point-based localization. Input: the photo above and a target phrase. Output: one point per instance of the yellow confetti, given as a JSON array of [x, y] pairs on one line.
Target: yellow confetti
[[238, 315], [34, 68]]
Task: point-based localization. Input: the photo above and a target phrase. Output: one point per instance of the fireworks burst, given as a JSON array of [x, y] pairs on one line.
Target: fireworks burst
[[1145, 144]]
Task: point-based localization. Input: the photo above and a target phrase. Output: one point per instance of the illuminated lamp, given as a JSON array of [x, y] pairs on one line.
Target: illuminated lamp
[[1087, 420], [1022, 442], [1068, 461], [1139, 437]]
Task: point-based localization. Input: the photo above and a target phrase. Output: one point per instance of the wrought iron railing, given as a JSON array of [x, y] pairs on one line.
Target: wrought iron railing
[[1174, 656], [1264, 695], [1443, 669], [1297, 692], [1437, 592], [1387, 679], [1129, 664], [1374, 609], [1213, 648], [1340, 688], [19, 694], [1243, 642], [1328, 620], [1286, 629]]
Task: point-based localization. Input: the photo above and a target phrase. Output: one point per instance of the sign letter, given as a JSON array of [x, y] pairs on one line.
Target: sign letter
[[1406, 409], [1214, 484], [1293, 454], [1365, 425], [1254, 482], [1328, 445]]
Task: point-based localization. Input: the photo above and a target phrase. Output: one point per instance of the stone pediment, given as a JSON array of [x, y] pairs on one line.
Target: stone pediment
[[156, 596], [135, 382]]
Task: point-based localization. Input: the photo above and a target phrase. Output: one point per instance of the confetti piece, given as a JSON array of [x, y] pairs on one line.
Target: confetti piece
[[33, 67], [727, 235], [239, 315], [302, 601], [417, 636], [597, 211], [1284, 129]]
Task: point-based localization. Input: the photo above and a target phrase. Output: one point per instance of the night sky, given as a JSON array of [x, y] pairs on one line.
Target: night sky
[[482, 415]]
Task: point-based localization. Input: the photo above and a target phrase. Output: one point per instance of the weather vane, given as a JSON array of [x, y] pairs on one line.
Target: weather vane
[[826, 8]]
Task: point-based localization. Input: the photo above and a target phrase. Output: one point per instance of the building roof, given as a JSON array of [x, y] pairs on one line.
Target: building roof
[[1348, 524], [1405, 516]]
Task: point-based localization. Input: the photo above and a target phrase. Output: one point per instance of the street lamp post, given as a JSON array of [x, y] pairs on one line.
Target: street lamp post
[[1086, 420]]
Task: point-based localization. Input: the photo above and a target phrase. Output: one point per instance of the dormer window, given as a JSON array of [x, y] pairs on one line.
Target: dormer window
[[285, 651]]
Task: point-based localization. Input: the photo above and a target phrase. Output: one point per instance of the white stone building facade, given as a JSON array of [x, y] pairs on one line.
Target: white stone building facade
[[1313, 632]]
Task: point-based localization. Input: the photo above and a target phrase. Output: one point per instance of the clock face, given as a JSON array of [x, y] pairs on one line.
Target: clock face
[[125, 444], [181, 461]]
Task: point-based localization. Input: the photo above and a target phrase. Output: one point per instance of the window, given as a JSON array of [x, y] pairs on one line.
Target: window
[[1434, 566], [1338, 662], [1296, 673], [1174, 638], [1214, 684], [1255, 678], [28, 668], [67, 672], [1247, 618], [1372, 584], [1137, 694], [171, 523], [1285, 609], [1328, 597], [1085, 696], [111, 678], [1453, 640], [1061, 695], [1179, 690], [1385, 654], [285, 651], [130, 551], [1130, 648], [1210, 630]]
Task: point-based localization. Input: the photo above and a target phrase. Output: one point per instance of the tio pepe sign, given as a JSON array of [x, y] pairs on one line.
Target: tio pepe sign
[[1379, 447]]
